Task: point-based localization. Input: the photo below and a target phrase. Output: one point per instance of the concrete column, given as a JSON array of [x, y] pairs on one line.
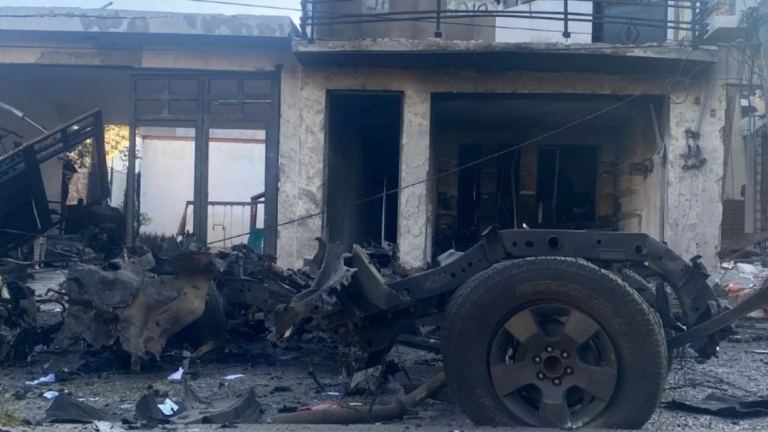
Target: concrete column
[[695, 208], [414, 225], [750, 186], [302, 164], [763, 36]]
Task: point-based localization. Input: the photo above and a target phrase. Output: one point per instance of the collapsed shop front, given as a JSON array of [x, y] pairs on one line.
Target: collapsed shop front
[[589, 141], [513, 161], [191, 129]]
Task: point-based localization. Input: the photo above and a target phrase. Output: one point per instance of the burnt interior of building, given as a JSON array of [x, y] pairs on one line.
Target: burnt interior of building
[[363, 162], [519, 161], [174, 150]]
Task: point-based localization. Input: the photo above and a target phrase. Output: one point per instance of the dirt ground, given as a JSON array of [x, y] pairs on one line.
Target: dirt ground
[[282, 382]]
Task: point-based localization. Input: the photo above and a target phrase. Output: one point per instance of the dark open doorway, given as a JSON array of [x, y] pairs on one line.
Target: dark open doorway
[[547, 161], [567, 186], [363, 160]]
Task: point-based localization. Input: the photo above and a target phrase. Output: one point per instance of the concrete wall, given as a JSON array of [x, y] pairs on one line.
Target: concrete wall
[[512, 29], [302, 152], [694, 210], [639, 195], [77, 20], [452, 28]]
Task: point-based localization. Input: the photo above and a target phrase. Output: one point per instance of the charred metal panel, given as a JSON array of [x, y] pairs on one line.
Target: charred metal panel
[[24, 204]]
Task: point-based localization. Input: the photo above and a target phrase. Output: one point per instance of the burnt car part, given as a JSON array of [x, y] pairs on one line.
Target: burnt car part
[[345, 414], [378, 323], [586, 320], [24, 204], [18, 113], [123, 300]]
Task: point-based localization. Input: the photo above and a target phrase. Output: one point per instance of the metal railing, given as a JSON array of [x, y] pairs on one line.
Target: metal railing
[[229, 222], [681, 16]]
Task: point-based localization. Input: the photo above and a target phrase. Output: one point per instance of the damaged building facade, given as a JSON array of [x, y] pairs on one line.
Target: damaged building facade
[[507, 119], [373, 128]]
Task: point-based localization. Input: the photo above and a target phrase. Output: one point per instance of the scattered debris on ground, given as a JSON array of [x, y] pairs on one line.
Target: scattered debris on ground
[[175, 333]]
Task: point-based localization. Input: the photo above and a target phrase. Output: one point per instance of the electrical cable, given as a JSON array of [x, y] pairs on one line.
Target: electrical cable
[[445, 173]]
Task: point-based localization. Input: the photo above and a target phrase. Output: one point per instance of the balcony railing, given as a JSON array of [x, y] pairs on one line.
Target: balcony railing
[[623, 22]]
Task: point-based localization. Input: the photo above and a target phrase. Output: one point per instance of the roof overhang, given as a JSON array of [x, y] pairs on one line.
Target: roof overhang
[[550, 57], [143, 28]]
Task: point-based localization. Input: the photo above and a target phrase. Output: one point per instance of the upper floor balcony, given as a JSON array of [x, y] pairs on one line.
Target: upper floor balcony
[[619, 22]]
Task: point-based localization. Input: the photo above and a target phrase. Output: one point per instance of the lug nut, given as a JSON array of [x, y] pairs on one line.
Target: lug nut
[[565, 354], [569, 370], [556, 381], [536, 359], [540, 375], [550, 349]]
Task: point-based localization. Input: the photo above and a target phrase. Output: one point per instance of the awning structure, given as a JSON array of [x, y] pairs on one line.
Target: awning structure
[[483, 56]]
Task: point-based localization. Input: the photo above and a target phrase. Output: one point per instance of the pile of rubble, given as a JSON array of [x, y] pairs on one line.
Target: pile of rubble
[[178, 296], [736, 281]]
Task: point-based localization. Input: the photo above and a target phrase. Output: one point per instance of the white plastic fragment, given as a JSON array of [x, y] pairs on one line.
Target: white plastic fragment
[[46, 379], [234, 377], [176, 376], [103, 426], [168, 407], [50, 394]]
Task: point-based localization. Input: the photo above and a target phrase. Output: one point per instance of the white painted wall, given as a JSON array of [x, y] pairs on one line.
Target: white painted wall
[[167, 182], [527, 29], [236, 172]]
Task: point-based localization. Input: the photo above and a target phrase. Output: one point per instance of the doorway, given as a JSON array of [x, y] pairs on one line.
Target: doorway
[[363, 167]]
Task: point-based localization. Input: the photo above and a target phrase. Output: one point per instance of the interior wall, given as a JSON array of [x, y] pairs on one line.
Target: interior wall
[[638, 192], [446, 144]]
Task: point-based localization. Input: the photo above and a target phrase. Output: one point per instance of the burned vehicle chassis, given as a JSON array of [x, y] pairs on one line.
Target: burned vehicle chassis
[[426, 294], [351, 301]]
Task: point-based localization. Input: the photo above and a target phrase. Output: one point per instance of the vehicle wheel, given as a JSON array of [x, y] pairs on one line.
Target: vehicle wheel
[[553, 342], [637, 283], [648, 293], [211, 326]]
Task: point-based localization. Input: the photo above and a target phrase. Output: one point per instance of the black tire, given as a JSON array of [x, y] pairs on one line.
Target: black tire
[[483, 305], [637, 283], [211, 326]]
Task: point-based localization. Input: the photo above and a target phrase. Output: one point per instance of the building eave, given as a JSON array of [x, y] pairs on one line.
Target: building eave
[[120, 24], [553, 57]]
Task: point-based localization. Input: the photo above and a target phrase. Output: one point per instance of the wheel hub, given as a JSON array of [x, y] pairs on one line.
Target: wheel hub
[[553, 366]]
